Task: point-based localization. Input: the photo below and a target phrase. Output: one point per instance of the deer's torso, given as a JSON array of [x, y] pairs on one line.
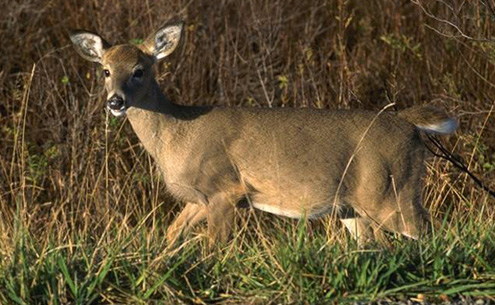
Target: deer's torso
[[287, 161]]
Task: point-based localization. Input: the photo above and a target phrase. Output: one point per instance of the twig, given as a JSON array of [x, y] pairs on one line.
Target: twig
[[456, 161], [448, 23]]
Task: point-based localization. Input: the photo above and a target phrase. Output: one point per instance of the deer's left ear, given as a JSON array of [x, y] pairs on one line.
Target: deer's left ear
[[89, 45], [164, 41]]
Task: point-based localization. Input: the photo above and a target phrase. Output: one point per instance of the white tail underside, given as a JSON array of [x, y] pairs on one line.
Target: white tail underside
[[445, 127]]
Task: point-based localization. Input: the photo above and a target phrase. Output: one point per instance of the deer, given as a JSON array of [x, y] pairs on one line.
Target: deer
[[364, 167]]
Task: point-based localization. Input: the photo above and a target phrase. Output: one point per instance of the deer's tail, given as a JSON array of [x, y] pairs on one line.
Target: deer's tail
[[430, 119]]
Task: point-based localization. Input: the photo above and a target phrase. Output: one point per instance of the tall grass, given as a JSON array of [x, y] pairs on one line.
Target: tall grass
[[83, 211]]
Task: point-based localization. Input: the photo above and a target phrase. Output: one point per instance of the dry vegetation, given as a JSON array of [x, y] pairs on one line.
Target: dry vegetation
[[83, 211]]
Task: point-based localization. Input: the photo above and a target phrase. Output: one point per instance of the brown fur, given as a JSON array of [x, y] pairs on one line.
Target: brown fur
[[424, 115], [362, 166]]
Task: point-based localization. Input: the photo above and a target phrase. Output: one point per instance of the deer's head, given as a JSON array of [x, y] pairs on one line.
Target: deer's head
[[127, 67]]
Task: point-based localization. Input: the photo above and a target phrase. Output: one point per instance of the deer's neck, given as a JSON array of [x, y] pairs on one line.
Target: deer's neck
[[152, 119]]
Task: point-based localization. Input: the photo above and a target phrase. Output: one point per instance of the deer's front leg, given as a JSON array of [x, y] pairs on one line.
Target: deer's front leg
[[220, 218], [192, 214]]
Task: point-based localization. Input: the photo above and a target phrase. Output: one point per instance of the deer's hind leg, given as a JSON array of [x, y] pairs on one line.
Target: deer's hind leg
[[407, 218], [361, 228]]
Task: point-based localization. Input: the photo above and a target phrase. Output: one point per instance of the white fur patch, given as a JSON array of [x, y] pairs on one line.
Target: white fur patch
[[277, 210], [92, 44], [166, 40], [89, 45], [445, 127], [351, 225], [119, 112], [281, 211]]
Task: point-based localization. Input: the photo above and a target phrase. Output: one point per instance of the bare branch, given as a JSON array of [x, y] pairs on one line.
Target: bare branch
[[450, 24]]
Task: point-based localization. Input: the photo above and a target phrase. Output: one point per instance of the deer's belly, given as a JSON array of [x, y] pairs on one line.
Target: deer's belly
[[295, 209]]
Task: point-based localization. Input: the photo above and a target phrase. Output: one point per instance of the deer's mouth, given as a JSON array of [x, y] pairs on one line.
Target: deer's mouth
[[118, 112]]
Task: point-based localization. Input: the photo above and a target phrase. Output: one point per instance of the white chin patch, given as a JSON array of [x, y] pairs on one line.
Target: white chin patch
[[119, 112]]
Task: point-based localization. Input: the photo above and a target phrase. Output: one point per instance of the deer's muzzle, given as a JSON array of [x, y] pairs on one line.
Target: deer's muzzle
[[116, 104]]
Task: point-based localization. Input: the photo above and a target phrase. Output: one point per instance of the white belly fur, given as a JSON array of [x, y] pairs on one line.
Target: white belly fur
[[281, 211], [277, 210]]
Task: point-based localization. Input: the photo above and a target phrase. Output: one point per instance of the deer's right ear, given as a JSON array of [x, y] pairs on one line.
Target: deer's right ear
[[89, 45]]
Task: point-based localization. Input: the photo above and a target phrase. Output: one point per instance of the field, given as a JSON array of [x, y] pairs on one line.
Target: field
[[84, 210]]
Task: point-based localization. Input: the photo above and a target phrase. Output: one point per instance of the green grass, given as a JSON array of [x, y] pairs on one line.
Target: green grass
[[293, 263]]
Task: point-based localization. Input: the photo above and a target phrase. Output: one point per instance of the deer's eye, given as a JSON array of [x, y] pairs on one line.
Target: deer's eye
[[138, 73], [106, 72]]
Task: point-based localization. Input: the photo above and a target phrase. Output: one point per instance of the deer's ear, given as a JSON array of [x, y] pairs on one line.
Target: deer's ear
[[164, 41], [89, 45]]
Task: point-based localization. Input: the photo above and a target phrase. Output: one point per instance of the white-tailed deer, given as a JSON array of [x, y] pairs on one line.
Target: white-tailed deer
[[365, 167]]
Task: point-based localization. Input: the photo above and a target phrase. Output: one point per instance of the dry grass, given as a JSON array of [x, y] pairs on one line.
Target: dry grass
[[77, 189]]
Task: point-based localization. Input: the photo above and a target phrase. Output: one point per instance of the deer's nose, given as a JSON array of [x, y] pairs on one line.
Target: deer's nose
[[115, 102]]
